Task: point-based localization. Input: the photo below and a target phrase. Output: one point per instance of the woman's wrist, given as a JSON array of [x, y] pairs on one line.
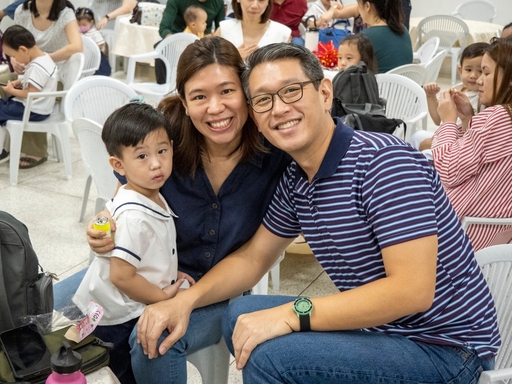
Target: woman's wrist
[[107, 17]]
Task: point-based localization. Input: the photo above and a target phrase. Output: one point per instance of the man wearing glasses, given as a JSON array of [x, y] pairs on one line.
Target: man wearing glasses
[[412, 307]]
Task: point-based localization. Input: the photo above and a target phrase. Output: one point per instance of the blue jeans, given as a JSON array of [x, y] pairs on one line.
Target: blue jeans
[[349, 356], [204, 329]]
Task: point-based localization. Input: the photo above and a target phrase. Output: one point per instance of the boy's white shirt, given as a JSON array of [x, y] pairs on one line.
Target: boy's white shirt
[[42, 74], [145, 231]]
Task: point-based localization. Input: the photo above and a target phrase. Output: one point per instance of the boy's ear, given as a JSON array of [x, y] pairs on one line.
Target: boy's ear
[[459, 68], [117, 164]]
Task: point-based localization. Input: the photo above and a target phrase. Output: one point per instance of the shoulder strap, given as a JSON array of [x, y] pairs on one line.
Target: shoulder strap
[[5, 313]]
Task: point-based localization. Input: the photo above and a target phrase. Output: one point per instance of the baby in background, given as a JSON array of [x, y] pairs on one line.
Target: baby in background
[[142, 268], [85, 19], [196, 18], [470, 70], [356, 48]]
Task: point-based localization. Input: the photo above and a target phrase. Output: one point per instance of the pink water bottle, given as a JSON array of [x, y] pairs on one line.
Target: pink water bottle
[[66, 365]]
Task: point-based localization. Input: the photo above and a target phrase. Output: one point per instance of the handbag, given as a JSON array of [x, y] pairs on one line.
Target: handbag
[[336, 35], [94, 352], [147, 13], [370, 118]]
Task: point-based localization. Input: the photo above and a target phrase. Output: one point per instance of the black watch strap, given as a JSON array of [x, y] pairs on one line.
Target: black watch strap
[[304, 323]]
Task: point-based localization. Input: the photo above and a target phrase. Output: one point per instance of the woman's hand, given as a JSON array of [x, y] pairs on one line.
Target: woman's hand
[[173, 315], [446, 107], [98, 241], [254, 328], [246, 51], [101, 24], [19, 68], [464, 108]]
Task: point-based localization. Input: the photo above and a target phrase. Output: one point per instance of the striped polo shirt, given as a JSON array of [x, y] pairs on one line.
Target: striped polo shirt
[[373, 191]]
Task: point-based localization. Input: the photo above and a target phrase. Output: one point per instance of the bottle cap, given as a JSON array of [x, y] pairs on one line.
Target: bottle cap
[[65, 360]]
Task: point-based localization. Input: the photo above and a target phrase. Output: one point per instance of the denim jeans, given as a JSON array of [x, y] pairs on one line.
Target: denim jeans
[[349, 356], [204, 329]]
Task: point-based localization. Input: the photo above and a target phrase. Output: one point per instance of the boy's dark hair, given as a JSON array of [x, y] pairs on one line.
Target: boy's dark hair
[[15, 36], [84, 13], [365, 49], [192, 13], [129, 125], [509, 25], [57, 7], [472, 51]]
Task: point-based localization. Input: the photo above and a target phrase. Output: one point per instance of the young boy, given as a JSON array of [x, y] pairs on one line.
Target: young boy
[[195, 17], [40, 76], [142, 268], [470, 70]]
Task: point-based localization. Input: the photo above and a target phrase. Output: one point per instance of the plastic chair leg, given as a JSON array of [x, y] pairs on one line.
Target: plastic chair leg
[[85, 198], [454, 66], [212, 363], [15, 153]]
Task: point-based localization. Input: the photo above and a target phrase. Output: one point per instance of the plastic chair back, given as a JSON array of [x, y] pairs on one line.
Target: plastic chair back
[[405, 100], [416, 72], [427, 50], [92, 56], [434, 66], [496, 264], [480, 10], [449, 29], [96, 97]]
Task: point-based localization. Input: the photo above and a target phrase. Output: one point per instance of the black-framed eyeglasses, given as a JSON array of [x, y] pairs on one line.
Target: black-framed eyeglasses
[[84, 10], [289, 94]]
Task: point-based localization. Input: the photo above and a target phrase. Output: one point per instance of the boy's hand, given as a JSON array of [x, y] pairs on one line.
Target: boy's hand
[[431, 89], [185, 276], [172, 289]]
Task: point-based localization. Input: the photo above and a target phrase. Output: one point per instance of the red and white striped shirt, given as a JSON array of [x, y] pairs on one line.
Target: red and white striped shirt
[[476, 169]]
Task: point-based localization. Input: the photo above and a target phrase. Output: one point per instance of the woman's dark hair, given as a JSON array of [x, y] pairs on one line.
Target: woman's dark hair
[[237, 10], [500, 51], [16, 36], [189, 144], [365, 49], [472, 51], [84, 13], [391, 12], [129, 125], [55, 10]]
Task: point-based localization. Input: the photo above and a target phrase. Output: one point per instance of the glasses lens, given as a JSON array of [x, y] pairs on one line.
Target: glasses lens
[[291, 93], [262, 103]]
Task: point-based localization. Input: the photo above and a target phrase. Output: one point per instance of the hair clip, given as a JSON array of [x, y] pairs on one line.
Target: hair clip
[[137, 99]]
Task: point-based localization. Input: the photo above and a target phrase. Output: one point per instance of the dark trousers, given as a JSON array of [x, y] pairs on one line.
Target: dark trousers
[[406, 10], [120, 358], [160, 70], [104, 69]]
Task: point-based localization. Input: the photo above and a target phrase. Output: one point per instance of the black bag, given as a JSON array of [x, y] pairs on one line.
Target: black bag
[[25, 290]]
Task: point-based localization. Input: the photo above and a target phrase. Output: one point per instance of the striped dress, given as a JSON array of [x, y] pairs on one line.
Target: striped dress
[[476, 170]]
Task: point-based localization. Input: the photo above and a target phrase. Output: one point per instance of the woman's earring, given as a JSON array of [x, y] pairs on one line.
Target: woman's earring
[[186, 112]]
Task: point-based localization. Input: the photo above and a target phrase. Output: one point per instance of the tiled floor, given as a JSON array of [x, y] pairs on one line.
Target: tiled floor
[[49, 205]]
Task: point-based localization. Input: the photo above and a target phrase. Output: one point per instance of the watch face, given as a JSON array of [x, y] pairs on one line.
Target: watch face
[[303, 306]]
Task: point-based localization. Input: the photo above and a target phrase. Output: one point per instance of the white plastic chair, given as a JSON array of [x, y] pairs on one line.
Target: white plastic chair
[[92, 56], [55, 124], [503, 235], [169, 51], [212, 363], [480, 10], [416, 72], [262, 287], [405, 100], [434, 66], [95, 158], [426, 51], [450, 30], [496, 264], [95, 98]]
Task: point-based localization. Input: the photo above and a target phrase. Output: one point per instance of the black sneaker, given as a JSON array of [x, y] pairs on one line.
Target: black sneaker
[[4, 156]]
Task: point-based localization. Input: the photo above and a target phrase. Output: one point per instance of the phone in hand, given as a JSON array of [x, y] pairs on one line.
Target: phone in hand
[[26, 352]]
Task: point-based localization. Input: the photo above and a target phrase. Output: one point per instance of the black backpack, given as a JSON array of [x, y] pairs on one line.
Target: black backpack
[[25, 290], [357, 102]]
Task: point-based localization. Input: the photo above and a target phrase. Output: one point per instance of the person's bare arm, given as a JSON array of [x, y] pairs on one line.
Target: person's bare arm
[[12, 89], [125, 8], [346, 12], [409, 287], [251, 262], [431, 90], [74, 43]]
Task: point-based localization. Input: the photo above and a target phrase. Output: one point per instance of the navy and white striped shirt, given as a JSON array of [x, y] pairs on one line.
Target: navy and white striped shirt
[[373, 191]]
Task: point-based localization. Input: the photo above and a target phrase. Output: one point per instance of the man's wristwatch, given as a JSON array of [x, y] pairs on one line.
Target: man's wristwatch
[[303, 307]]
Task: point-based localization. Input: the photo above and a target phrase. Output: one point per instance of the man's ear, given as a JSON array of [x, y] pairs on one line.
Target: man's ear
[[325, 90], [117, 164]]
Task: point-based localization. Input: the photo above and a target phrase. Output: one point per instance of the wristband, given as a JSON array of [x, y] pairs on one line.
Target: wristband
[[106, 16]]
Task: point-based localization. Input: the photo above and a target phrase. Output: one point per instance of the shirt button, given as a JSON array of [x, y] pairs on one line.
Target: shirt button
[[215, 206], [212, 232], [315, 208], [207, 254]]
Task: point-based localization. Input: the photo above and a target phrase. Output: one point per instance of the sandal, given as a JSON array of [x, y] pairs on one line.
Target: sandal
[[31, 162]]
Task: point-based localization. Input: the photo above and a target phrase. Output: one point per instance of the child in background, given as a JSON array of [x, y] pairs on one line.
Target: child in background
[[195, 17], [142, 268], [40, 76], [470, 69], [356, 48], [85, 19]]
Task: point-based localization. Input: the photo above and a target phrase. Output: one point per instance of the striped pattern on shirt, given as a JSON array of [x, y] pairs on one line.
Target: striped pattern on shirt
[[374, 191], [476, 170]]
